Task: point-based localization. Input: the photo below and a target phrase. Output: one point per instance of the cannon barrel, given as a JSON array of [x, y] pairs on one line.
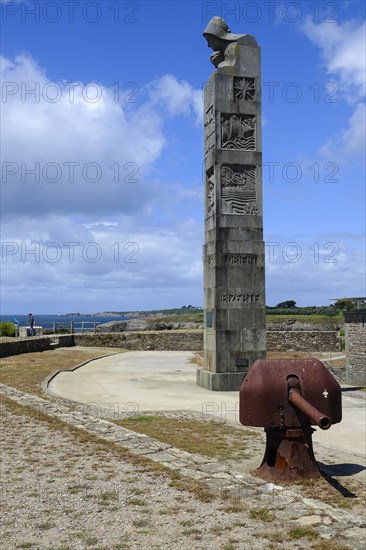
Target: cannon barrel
[[316, 417]]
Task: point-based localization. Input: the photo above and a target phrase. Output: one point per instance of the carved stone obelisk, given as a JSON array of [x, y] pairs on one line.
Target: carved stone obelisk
[[234, 289]]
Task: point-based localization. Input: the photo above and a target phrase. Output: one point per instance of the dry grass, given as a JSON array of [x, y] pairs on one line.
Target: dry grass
[[353, 497], [212, 439], [198, 489], [262, 513], [26, 372], [330, 544]]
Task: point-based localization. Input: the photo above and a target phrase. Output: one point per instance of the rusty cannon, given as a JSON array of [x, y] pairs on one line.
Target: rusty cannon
[[287, 397]]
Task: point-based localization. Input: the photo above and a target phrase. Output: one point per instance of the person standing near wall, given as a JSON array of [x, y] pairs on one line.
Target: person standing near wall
[[32, 332]]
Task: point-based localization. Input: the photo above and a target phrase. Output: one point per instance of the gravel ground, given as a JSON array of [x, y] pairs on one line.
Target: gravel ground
[[59, 494]]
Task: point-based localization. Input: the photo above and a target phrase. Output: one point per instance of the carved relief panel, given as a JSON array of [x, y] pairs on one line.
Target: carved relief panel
[[210, 191], [238, 189], [238, 132], [209, 129], [244, 88]]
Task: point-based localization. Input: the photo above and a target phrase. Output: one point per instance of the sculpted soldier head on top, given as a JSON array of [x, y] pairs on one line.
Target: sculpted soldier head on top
[[219, 37]]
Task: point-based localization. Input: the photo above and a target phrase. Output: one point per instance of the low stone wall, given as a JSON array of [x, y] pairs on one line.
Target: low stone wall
[[33, 344], [355, 333], [277, 340], [145, 341], [303, 340]]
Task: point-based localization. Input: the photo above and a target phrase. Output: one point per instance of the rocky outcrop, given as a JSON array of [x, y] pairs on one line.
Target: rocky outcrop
[[138, 325]]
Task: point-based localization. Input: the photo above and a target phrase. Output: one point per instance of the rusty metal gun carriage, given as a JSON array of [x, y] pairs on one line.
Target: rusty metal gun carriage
[[287, 397]]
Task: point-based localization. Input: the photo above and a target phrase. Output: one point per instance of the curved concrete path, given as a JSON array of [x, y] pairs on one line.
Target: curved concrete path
[[146, 380], [166, 380]]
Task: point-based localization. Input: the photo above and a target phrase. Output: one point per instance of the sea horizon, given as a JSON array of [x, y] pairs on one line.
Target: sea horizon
[[62, 319]]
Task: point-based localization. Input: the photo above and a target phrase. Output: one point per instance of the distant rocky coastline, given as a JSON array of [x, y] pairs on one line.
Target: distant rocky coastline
[[153, 323], [145, 324]]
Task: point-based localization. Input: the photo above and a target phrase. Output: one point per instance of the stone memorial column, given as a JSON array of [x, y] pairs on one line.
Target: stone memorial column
[[234, 289]]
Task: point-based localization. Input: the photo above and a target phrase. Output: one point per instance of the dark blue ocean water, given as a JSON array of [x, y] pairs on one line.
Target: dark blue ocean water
[[46, 321]]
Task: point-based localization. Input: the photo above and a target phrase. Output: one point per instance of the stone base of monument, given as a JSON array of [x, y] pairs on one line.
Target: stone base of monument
[[219, 381]]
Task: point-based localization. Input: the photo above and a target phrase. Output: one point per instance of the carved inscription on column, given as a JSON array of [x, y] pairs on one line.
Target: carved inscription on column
[[239, 189], [209, 129], [239, 298], [244, 88], [238, 132], [240, 259]]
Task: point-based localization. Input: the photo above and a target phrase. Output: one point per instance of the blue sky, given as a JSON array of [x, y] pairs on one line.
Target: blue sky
[[102, 191]]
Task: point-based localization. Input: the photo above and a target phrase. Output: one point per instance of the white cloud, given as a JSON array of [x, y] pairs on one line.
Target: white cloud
[[119, 264], [351, 142], [314, 269], [102, 140], [178, 97], [343, 48], [52, 231], [353, 138], [83, 135]]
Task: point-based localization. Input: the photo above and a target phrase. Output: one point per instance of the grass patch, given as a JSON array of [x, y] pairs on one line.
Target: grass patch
[[168, 512], [177, 318], [212, 439], [277, 536], [198, 359], [262, 513], [300, 532], [235, 507], [26, 371], [136, 502], [107, 497], [140, 523], [325, 492], [45, 526], [198, 489], [336, 321], [91, 541], [330, 545]]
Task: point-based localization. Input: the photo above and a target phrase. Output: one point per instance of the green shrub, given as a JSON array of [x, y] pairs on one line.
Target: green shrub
[[59, 330], [302, 311], [7, 329]]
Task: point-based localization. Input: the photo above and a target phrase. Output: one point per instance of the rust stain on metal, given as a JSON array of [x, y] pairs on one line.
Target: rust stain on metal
[[287, 397]]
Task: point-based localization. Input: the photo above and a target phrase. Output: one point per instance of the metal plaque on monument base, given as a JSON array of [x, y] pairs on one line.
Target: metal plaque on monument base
[[233, 254]]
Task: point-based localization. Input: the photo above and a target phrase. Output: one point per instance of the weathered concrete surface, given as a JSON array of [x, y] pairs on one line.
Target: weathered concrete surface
[[158, 381]]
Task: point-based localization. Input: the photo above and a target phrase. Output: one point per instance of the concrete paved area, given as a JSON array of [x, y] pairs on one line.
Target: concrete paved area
[[161, 381]]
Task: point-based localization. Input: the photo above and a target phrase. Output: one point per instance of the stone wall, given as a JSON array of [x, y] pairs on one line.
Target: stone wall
[[303, 340], [277, 340], [145, 341], [33, 344], [355, 332]]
